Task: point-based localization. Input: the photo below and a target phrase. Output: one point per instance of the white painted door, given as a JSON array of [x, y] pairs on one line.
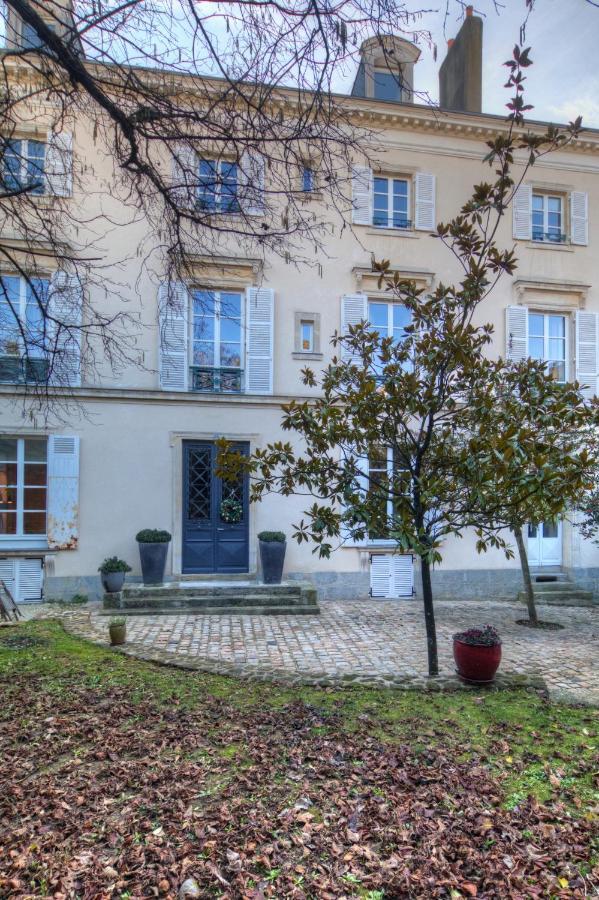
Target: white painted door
[[545, 544]]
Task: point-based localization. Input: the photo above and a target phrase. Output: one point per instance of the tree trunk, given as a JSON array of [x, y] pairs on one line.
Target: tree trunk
[[530, 597], [429, 618]]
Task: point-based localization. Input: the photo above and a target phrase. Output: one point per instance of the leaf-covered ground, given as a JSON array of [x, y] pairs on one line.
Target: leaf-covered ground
[[121, 780]]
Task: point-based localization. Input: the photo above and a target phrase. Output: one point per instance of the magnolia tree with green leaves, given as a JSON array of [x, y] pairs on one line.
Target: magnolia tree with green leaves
[[425, 402]]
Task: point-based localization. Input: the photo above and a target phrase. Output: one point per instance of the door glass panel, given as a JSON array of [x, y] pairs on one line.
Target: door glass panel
[[532, 531], [550, 529], [200, 480]]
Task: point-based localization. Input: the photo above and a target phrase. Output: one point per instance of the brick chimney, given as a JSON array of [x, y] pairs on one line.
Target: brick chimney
[[460, 75]]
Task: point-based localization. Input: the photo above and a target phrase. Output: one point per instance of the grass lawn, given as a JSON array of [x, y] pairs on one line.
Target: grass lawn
[[121, 779]]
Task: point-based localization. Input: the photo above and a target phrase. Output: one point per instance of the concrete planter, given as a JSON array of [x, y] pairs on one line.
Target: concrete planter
[[118, 634], [272, 557], [113, 581], [153, 561]]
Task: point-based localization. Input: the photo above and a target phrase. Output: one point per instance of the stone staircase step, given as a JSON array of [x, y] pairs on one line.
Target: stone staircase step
[[210, 596], [554, 587], [304, 609], [211, 589], [561, 598], [197, 602]]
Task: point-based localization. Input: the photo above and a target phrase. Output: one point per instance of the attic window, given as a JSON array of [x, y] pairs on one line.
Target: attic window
[[387, 85]]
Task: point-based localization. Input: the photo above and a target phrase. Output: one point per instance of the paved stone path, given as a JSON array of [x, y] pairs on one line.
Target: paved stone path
[[377, 643]]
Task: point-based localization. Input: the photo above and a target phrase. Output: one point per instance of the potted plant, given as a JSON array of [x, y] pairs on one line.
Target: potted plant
[[113, 571], [153, 547], [477, 654], [118, 631], [272, 555]]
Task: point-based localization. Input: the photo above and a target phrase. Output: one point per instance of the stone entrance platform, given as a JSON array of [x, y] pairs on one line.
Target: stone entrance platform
[[377, 642]]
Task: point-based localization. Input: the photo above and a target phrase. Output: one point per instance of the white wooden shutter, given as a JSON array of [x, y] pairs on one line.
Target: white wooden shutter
[[402, 575], [65, 310], [361, 195], [260, 304], [63, 492], [185, 175], [516, 333], [30, 580], [587, 356], [58, 166], [251, 181], [424, 202], [579, 217], [522, 213], [380, 574], [354, 309], [23, 577], [173, 328]]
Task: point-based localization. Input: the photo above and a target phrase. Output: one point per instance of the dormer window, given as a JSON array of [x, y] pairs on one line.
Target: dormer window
[[30, 39], [387, 85]]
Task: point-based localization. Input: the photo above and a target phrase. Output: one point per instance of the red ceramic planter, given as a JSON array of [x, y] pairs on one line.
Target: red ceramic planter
[[476, 663]]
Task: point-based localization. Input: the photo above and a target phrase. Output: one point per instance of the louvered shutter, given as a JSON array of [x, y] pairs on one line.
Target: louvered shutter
[[424, 202], [65, 310], [402, 575], [58, 165], [185, 175], [516, 333], [251, 182], [579, 217], [522, 213], [173, 327], [380, 574], [260, 303], [8, 574], [361, 195], [354, 309], [30, 580], [587, 355], [63, 492]]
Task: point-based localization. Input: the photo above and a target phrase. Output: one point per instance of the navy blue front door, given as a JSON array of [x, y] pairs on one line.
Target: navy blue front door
[[209, 543]]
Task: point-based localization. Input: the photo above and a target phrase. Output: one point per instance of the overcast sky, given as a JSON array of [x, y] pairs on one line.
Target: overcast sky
[[564, 36]]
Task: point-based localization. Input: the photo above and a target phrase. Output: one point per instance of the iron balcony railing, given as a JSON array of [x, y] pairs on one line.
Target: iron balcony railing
[[549, 237], [217, 381], [383, 221]]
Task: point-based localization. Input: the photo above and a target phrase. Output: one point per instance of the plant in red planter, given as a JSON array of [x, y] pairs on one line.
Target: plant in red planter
[[477, 654]]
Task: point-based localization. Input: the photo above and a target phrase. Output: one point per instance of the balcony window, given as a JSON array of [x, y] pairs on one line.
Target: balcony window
[[547, 341], [548, 218], [22, 168], [391, 203], [218, 186], [23, 356], [386, 85], [217, 341], [23, 482]]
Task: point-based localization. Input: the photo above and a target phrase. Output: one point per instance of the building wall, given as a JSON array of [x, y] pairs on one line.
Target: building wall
[[131, 431]]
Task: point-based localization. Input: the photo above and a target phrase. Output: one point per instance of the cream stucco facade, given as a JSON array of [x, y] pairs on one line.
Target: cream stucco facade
[[132, 427]]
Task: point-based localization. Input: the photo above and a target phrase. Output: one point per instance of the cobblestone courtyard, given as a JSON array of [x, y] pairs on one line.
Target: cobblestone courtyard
[[378, 642]]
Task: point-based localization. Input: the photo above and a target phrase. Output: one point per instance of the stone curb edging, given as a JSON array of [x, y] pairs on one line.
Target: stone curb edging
[[73, 625]]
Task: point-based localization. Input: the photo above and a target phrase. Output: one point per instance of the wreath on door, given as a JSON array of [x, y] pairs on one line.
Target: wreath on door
[[231, 511]]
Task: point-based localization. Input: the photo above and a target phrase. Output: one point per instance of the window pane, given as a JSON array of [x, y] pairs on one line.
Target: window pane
[[35, 498], [203, 354], [536, 325], [203, 303], [228, 187], [386, 86], [11, 165], [377, 459], [207, 184], [36, 152], [35, 450], [557, 370], [307, 180], [381, 201], [203, 329], [10, 311], [557, 349], [378, 316], [8, 498], [230, 330], [8, 449], [230, 305], [536, 348], [230, 355], [8, 523], [307, 335], [538, 202], [557, 326], [401, 316], [8, 474], [35, 474], [34, 523], [554, 205], [35, 322], [550, 529]]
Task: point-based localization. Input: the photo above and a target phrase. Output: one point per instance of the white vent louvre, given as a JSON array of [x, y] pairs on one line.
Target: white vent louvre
[[391, 575], [64, 445], [23, 577]]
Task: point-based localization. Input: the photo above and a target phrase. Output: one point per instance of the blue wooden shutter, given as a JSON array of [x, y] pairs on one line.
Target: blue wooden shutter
[[259, 340], [173, 327], [63, 492]]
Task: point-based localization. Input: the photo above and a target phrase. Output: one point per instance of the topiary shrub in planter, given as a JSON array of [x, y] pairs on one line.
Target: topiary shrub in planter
[[272, 555], [153, 548], [113, 571], [477, 654], [117, 630]]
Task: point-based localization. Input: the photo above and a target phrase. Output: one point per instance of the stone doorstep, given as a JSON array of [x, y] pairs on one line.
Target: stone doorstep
[[254, 610]]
